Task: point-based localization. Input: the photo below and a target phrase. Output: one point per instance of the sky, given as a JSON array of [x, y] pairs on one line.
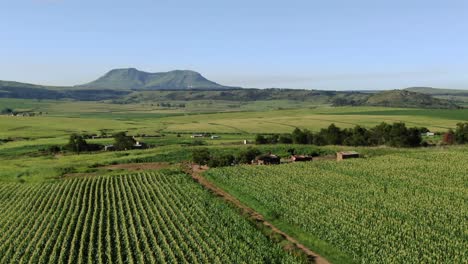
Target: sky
[[311, 44]]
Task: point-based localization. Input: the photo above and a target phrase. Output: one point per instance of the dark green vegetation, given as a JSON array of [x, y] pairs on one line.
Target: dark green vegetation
[[402, 206], [161, 217], [205, 156], [395, 135]]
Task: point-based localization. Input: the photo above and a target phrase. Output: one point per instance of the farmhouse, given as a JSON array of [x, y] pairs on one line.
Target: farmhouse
[[296, 158], [267, 159], [342, 155]]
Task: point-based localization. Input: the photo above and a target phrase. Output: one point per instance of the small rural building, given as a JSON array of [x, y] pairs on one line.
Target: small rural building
[[428, 134], [197, 135], [214, 137], [267, 159], [109, 148], [342, 155], [297, 158], [140, 145]]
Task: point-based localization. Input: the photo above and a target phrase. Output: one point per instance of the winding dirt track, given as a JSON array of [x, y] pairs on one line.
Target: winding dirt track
[[196, 172]]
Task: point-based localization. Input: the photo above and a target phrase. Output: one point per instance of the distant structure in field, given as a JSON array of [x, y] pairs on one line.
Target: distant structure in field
[[297, 158], [267, 159], [342, 155]]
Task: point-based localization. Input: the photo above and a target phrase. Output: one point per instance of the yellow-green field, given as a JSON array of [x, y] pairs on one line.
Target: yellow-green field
[[63, 118]]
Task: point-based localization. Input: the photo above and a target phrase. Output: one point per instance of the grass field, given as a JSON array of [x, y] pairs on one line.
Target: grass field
[[368, 210]]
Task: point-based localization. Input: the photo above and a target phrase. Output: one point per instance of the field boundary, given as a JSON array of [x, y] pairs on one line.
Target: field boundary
[[196, 173]]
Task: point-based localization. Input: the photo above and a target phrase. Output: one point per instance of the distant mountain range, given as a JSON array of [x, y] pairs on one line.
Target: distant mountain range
[[134, 86], [133, 79]]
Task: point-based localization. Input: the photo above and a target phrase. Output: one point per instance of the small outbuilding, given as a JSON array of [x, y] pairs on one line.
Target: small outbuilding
[[109, 148], [342, 155], [297, 158], [267, 159]]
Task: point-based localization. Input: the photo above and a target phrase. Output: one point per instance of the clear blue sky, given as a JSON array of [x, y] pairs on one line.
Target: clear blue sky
[[297, 44]]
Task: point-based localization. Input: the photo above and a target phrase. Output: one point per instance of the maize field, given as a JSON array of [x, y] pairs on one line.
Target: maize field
[[408, 207], [151, 217]]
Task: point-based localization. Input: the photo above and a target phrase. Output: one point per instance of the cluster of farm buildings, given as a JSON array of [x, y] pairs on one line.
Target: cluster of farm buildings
[[271, 159]]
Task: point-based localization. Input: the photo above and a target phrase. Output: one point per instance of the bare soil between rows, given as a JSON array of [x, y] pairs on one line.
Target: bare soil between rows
[[196, 172]]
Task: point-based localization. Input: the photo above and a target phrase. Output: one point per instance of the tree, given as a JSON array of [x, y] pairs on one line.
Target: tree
[[398, 134], [413, 137], [76, 143], [272, 139], [260, 139], [201, 156], [298, 137], [123, 142], [380, 134], [6, 111], [333, 135], [461, 133], [221, 160], [285, 139], [358, 136], [246, 156]]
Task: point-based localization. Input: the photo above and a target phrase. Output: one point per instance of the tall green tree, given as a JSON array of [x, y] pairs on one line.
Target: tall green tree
[[123, 142], [76, 143], [461, 133]]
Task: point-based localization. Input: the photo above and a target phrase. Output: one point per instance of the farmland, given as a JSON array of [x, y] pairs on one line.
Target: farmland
[[368, 210], [365, 211], [142, 218], [63, 118]]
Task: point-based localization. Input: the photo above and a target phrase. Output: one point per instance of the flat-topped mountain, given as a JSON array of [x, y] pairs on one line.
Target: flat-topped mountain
[[133, 79]]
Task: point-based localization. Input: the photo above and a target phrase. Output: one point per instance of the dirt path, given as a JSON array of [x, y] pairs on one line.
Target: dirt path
[[196, 172], [138, 166]]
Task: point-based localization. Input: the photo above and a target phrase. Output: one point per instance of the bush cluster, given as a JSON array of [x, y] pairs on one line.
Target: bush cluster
[[204, 156]]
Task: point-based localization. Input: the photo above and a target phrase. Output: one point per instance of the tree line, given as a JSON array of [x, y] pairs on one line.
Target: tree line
[[205, 156], [396, 135], [77, 143]]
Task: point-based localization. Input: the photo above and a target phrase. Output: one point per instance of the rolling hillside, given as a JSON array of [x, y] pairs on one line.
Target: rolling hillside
[[458, 96], [407, 99], [130, 86]]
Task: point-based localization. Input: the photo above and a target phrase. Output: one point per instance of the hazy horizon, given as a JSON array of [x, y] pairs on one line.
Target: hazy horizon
[[337, 45]]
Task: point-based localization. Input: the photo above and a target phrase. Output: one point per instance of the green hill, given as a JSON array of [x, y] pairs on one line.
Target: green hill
[[133, 79], [31, 91], [408, 99], [437, 91]]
